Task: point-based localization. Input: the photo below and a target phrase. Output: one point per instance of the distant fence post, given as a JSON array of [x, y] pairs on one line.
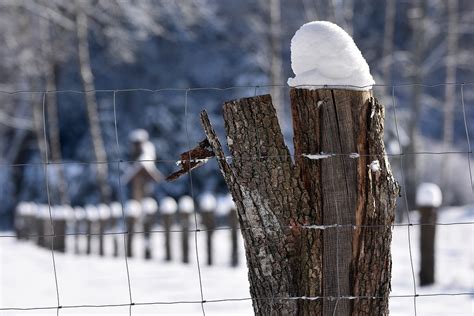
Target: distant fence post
[[149, 207], [207, 206], [104, 222], [59, 221], [185, 208], [79, 219], [168, 208], [428, 199], [92, 217], [234, 225], [133, 211], [42, 225], [117, 215]]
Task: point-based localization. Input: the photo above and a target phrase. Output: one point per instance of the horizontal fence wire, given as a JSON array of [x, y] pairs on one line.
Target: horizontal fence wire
[[118, 161], [224, 300], [315, 227]]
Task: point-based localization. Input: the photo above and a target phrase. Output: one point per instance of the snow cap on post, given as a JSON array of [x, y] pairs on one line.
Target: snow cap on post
[[43, 211], [133, 208], [58, 212], [324, 55], [79, 213], [168, 205], [149, 206], [429, 195], [92, 214], [138, 136], [116, 209], [104, 211], [207, 202], [186, 204]]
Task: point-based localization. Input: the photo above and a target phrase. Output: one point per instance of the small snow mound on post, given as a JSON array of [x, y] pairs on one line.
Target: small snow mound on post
[[168, 205], [116, 209], [323, 54], [133, 208], [92, 213], [149, 206], [207, 202], [79, 213], [429, 195], [186, 204], [104, 211]]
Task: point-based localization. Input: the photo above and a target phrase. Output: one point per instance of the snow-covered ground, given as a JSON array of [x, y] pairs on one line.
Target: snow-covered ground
[[27, 277]]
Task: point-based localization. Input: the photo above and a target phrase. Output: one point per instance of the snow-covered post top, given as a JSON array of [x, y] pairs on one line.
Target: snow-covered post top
[[168, 206], [186, 204], [79, 213], [116, 210], [207, 202], [149, 206], [324, 55], [133, 209], [429, 195]]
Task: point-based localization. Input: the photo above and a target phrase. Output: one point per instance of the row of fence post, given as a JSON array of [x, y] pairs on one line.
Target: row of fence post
[[33, 221]]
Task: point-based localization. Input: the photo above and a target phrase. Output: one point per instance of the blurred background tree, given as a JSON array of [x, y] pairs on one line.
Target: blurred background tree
[[107, 45]]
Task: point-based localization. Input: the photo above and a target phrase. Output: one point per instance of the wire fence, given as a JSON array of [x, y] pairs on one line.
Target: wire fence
[[118, 161]]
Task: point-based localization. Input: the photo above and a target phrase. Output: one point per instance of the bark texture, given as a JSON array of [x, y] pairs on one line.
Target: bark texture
[[295, 266]]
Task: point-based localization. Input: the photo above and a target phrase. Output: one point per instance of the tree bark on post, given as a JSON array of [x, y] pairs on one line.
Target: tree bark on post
[[317, 231]]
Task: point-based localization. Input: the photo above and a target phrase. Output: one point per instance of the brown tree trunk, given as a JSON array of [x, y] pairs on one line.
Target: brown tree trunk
[[91, 104], [282, 205]]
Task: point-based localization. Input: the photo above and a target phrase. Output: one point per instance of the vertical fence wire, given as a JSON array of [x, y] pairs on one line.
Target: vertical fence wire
[[405, 199], [469, 152], [52, 234], [191, 188], [126, 234]]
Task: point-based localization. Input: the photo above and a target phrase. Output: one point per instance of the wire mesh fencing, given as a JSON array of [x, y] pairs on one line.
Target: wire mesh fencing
[[118, 161]]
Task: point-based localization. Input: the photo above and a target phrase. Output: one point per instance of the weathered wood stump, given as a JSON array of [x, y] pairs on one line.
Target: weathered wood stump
[[318, 228]]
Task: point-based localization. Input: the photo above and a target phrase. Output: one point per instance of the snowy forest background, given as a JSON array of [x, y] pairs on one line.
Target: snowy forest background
[[108, 45]]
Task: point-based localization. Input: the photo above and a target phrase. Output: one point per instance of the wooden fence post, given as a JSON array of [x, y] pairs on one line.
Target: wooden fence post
[[79, 221], [59, 221], [185, 208], [149, 207], [133, 211], [428, 199], [323, 223], [207, 206], [168, 208], [43, 226], [104, 222], [92, 218], [117, 215], [20, 220], [233, 222]]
